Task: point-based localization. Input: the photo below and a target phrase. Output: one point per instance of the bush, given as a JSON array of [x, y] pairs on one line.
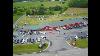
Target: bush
[[28, 12], [41, 11], [57, 8], [65, 8], [19, 13], [63, 2]]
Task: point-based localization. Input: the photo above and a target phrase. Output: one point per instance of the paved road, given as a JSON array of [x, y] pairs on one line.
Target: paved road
[[59, 46]]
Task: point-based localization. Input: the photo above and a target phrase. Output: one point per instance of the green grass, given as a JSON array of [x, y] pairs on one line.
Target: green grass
[[36, 21], [16, 17], [26, 48], [82, 43], [79, 11], [56, 12], [36, 4]]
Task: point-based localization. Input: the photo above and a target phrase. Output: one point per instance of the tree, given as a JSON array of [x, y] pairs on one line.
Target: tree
[[78, 3], [14, 1], [41, 11], [33, 11], [57, 8], [28, 12], [51, 8], [50, 12], [19, 13], [42, 5], [14, 11]]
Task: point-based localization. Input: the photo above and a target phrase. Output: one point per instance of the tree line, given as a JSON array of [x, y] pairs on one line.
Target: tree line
[[78, 3]]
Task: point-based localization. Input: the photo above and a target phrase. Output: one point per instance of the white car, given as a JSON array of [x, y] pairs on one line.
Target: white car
[[38, 39], [43, 37]]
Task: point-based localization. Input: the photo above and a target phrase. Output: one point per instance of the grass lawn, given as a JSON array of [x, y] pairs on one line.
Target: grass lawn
[[30, 21], [16, 17], [36, 21], [82, 43], [79, 11], [36, 4], [27, 48]]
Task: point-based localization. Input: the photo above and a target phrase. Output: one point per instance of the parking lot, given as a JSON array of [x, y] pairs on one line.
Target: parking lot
[[59, 46]]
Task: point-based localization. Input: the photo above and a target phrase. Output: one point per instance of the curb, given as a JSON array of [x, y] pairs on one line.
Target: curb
[[48, 46]]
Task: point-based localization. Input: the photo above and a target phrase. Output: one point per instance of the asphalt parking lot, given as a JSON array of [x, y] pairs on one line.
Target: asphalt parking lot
[[58, 40], [72, 52], [59, 46]]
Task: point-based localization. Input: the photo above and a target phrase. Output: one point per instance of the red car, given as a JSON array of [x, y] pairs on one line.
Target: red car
[[76, 24], [47, 28], [66, 27]]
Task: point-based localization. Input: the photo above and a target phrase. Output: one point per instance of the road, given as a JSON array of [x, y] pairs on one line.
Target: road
[[59, 46], [71, 52]]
